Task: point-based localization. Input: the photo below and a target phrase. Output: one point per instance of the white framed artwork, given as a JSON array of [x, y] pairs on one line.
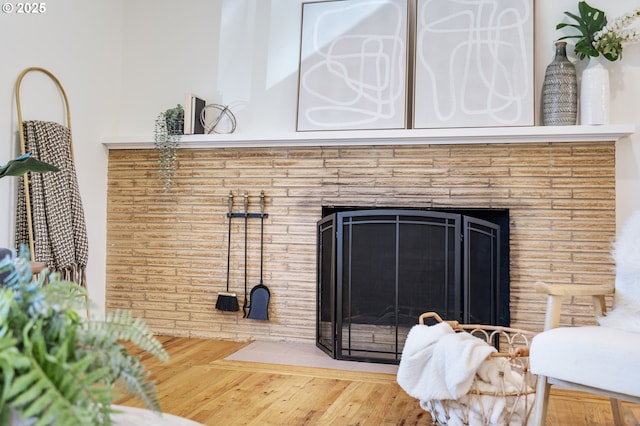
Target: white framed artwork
[[473, 63], [353, 65]]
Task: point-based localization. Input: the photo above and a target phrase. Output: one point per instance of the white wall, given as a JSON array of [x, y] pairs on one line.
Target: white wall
[[245, 53], [80, 42], [238, 52], [122, 62]]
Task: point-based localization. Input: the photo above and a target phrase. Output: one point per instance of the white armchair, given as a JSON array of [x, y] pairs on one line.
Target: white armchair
[[602, 359]]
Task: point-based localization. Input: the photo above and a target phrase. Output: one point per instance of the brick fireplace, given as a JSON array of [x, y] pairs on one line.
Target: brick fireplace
[[166, 252]]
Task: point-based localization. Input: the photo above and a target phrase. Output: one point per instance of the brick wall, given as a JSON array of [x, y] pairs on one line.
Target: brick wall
[[166, 252]]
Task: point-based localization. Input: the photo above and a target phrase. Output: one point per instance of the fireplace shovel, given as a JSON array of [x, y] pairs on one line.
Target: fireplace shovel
[[228, 301], [260, 294]]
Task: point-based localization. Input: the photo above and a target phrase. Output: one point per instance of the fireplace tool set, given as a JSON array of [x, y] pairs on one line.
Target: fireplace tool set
[[258, 306]]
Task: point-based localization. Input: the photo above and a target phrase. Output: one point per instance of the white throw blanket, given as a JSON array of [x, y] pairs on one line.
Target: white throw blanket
[[438, 363]]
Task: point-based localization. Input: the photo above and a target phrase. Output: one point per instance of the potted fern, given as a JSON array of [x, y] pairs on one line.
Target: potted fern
[[59, 368]]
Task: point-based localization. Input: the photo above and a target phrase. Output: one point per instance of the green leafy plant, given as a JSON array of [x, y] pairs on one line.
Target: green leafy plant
[[589, 22], [57, 367], [168, 128], [25, 163]]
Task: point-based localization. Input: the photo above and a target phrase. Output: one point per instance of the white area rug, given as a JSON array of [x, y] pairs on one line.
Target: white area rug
[[303, 355]]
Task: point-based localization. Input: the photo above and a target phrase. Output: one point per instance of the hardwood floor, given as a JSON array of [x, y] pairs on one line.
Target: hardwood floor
[[197, 383]]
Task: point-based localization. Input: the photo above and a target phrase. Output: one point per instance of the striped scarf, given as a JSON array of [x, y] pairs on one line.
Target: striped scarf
[[60, 235]]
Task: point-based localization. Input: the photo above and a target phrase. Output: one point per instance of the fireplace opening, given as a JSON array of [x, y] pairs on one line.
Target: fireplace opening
[[379, 269]]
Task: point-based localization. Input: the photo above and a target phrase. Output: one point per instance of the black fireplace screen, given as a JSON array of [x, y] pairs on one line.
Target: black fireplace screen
[[378, 270]]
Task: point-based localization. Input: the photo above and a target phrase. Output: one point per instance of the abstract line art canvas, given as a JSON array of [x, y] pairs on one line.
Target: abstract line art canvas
[[473, 63], [353, 64]]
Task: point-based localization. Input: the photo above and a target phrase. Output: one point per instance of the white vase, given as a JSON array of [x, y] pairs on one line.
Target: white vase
[[594, 93]]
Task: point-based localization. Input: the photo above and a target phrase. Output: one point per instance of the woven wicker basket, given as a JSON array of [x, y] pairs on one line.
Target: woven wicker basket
[[506, 399]]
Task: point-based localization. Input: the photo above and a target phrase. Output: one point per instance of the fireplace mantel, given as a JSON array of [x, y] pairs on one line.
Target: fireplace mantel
[[480, 135]]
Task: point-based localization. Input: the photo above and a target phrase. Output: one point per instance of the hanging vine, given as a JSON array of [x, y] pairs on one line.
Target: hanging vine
[[169, 127]]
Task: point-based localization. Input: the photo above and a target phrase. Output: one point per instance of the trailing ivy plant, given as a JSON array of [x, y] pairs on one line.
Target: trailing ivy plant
[[57, 367], [168, 128]]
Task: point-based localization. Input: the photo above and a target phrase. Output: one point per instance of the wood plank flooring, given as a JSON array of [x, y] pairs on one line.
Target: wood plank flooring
[[197, 383]]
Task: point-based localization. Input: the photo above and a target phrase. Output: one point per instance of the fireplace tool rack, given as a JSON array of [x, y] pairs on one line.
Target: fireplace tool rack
[[246, 215]]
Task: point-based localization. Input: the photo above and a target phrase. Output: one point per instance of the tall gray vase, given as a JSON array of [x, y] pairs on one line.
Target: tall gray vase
[[560, 90]]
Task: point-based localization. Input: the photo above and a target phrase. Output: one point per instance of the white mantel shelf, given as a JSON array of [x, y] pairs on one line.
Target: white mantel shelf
[[483, 135]]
